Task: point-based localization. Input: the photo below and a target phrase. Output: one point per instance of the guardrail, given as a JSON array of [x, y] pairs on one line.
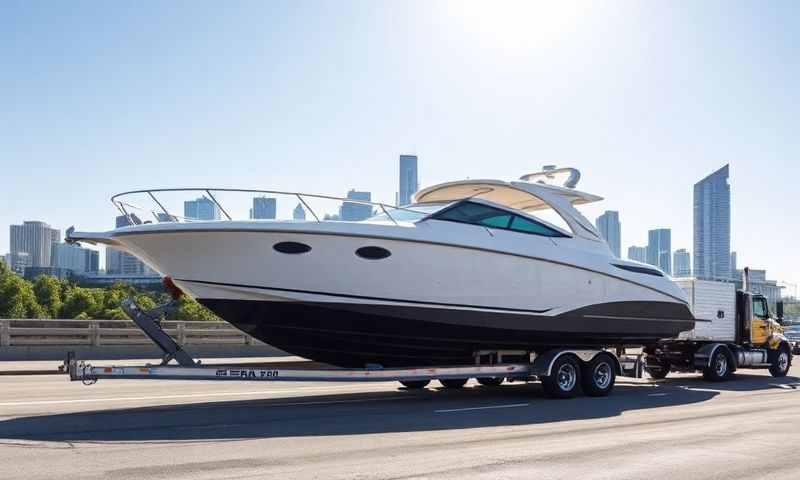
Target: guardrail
[[95, 333]]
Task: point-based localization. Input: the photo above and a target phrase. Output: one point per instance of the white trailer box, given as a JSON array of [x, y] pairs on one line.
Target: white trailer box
[[714, 307]]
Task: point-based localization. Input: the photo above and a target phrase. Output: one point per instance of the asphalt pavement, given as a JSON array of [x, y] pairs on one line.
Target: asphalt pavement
[[681, 427]]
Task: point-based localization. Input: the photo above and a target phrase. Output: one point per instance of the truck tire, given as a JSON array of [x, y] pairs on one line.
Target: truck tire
[[657, 370], [597, 376], [720, 367], [490, 381], [564, 379], [415, 384], [451, 383], [781, 362]]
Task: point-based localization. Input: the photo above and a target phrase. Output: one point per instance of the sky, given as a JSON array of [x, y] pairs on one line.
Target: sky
[[645, 98]]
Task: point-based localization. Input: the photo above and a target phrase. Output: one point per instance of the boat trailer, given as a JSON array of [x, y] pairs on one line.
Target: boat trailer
[[512, 365]]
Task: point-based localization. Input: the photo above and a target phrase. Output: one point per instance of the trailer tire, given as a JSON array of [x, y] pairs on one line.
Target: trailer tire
[[564, 379], [598, 375], [415, 384], [490, 381], [720, 366], [657, 370], [453, 383], [782, 360]]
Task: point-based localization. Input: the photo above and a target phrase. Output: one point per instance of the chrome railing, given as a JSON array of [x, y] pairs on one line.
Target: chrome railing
[[164, 215]]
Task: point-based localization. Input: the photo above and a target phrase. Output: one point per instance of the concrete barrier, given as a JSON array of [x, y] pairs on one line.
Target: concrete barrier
[[23, 339]]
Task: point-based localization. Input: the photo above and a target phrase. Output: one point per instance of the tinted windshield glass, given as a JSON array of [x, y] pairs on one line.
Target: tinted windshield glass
[[480, 214], [410, 213]]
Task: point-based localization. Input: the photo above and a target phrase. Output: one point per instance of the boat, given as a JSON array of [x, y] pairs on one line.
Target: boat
[[470, 266]]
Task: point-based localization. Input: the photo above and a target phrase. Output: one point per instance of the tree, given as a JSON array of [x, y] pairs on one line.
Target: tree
[[48, 292], [190, 309], [79, 302], [17, 299]]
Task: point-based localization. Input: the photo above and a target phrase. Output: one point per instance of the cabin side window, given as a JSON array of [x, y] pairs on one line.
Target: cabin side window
[[484, 215]]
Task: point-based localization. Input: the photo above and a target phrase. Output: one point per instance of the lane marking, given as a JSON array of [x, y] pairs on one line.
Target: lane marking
[[657, 394], [171, 397], [490, 407]]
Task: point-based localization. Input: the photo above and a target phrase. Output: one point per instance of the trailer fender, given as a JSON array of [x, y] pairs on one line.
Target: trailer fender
[[543, 364], [703, 356]]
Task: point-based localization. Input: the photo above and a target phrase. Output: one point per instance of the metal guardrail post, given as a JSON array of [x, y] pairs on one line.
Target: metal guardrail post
[[181, 327], [5, 333], [94, 334]]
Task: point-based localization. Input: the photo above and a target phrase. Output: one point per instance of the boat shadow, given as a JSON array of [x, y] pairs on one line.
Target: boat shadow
[[391, 411]]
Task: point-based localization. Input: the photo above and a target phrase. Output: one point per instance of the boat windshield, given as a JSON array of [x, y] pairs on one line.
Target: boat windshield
[[410, 213]]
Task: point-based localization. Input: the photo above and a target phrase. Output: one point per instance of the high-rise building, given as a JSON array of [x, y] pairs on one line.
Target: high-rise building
[[681, 265], [610, 229], [299, 212], [201, 209], [354, 212], [75, 258], [264, 208], [659, 249], [408, 179], [733, 265], [712, 226], [638, 254], [123, 263], [35, 239]]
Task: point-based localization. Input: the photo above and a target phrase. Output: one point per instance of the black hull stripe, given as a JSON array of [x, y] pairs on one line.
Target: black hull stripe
[[385, 237], [362, 297]]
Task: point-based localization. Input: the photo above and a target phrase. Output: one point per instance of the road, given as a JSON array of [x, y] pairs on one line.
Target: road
[[681, 427]]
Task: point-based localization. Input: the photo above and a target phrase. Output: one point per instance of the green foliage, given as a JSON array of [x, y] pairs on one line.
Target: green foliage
[[49, 297], [17, 298], [49, 291]]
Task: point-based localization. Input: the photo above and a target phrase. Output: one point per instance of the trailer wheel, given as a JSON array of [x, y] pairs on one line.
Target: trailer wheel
[[564, 378], [415, 384], [781, 362], [597, 376], [657, 370], [453, 382], [490, 381], [720, 367]]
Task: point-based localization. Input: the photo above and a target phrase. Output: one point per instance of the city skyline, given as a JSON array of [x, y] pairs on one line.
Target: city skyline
[[643, 121]]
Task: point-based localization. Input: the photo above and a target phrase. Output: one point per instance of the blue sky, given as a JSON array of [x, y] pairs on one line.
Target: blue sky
[[644, 97]]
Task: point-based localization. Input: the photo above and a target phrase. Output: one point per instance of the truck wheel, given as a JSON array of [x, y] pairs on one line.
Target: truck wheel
[[490, 381], [656, 369], [564, 378], [781, 363], [597, 376], [721, 366], [453, 382], [415, 384]]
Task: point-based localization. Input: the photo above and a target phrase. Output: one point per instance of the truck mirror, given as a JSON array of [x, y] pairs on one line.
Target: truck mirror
[[779, 311]]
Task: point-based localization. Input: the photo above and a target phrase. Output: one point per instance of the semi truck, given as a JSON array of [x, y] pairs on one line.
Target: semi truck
[[734, 329]]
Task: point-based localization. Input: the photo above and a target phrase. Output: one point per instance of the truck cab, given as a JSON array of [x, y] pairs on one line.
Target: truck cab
[[755, 324]]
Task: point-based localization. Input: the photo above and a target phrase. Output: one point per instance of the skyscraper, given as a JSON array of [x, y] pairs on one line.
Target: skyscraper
[[75, 258], [201, 209], [682, 263], [733, 266], [354, 212], [609, 227], [264, 208], [299, 212], [408, 179], [637, 253], [34, 239], [712, 226], [659, 249]]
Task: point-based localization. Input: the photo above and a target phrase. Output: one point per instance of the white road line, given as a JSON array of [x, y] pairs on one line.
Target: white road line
[[170, 397], [512, 405], [657, 394]]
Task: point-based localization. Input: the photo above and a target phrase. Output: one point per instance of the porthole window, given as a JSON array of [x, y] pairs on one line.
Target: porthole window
[[373, 253], [291, 247]]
